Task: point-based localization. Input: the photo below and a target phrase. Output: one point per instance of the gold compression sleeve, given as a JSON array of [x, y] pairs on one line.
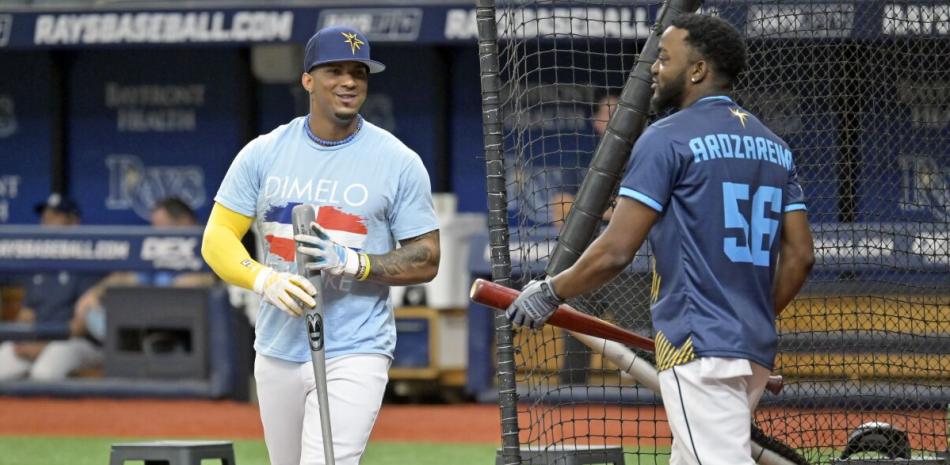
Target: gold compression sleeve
[[221, 247]]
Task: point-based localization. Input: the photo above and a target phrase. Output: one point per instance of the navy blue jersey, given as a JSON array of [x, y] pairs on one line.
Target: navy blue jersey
[[721, 181], [52, 295]]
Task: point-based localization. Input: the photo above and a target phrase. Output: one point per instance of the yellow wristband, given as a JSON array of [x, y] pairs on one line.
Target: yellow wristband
[[364, 258]]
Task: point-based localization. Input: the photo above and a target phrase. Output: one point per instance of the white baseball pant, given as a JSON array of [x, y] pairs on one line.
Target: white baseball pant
[[287, 398], [57, 360], [709, 404]]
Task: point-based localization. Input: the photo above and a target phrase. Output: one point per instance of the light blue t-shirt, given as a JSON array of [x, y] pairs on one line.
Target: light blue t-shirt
[[369, 193]]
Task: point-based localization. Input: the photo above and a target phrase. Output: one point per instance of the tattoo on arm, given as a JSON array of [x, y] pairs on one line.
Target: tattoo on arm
[[416, 261]]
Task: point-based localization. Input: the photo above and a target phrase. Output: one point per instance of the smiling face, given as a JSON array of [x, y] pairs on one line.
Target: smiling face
[[337, 91], [670, 70]]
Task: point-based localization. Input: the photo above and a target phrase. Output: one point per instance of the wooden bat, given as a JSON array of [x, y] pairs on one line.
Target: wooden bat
[[500, 297]]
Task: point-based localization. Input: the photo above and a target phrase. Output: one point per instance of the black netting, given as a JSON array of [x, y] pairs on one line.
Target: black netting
[[861, 92]]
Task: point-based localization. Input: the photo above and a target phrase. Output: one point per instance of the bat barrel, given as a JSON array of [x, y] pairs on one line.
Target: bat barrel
[[500, 297]]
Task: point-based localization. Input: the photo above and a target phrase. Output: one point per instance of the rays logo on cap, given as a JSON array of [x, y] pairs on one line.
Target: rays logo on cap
[[354, 41], [326, 47]]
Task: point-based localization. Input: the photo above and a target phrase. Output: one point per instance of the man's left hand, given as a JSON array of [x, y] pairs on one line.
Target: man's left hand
[[328, 255], [535, 305]]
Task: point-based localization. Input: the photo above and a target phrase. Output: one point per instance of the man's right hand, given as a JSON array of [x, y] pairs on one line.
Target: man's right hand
[[535, 305], [284, 290]]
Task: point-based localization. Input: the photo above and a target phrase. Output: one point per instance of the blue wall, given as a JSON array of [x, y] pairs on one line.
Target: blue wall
[[26, 119], [465, 127]]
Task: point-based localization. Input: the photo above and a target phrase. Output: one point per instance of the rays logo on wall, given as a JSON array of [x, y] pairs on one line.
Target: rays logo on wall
[[8, 121], [136, 186]]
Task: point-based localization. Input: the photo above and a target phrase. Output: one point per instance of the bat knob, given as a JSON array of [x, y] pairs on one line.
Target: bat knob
[[775, 384]]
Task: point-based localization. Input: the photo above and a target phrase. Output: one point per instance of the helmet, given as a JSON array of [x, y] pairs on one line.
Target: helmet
[[878, 437]]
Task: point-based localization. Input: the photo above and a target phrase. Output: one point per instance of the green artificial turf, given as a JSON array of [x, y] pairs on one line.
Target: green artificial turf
[[50, 450], [47, 450]]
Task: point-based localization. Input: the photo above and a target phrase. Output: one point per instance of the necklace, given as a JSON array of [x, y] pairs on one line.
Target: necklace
[[334, 143]]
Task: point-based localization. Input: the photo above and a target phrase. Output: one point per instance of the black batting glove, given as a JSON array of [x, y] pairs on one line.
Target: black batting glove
[[534, 306]]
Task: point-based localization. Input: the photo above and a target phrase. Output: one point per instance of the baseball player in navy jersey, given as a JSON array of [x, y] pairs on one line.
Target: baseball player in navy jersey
[[719, 196], [370, 192]]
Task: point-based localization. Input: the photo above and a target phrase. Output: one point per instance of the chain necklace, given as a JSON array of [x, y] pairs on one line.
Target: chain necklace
[[334, 143]]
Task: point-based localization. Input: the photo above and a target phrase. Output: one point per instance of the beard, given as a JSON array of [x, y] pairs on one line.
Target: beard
[[668, 97], [345, 118]]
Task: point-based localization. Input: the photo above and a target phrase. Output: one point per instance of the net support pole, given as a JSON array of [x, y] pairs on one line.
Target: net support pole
[[498, 234], [613, 151]]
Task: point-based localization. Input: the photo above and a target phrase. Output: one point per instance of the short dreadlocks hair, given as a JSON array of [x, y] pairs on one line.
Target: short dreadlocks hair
[[717, 42]]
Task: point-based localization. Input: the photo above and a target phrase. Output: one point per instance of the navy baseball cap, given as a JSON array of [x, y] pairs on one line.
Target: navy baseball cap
[[339, 43], [58, 202]]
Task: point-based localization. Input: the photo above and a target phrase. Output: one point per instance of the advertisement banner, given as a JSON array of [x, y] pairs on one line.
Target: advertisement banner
[[146, 126], [904, 165], [455, 23], [25, 135], [97, 248]]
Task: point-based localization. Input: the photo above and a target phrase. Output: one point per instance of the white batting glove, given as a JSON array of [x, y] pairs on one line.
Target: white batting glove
[[330, 256], [285, 290]]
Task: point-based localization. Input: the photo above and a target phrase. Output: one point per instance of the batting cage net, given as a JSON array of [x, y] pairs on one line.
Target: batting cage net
[[861, 92]]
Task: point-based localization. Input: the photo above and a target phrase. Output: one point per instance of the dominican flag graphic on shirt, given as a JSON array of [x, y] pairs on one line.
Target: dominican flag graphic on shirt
[[344, 228]]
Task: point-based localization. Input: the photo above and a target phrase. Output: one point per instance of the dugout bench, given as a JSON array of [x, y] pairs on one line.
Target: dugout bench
[[207, 344], [161, 342]]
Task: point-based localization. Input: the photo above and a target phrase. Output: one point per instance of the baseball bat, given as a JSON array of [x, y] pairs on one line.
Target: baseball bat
[[302, 216], [500, 297]]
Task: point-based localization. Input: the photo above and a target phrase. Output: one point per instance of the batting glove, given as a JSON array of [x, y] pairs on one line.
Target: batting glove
[[535, 305], [285, 290], [330, 256]]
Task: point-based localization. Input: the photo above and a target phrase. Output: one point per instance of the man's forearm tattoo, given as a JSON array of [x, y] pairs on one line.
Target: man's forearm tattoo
[[415, 254]]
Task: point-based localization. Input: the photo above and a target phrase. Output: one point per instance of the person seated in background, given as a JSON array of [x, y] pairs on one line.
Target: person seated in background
[[625, 300], [563, 201], [89, 318], [49, 299]]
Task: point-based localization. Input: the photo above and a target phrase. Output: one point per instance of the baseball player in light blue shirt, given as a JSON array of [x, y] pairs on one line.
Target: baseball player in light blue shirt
[[371, 194]]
